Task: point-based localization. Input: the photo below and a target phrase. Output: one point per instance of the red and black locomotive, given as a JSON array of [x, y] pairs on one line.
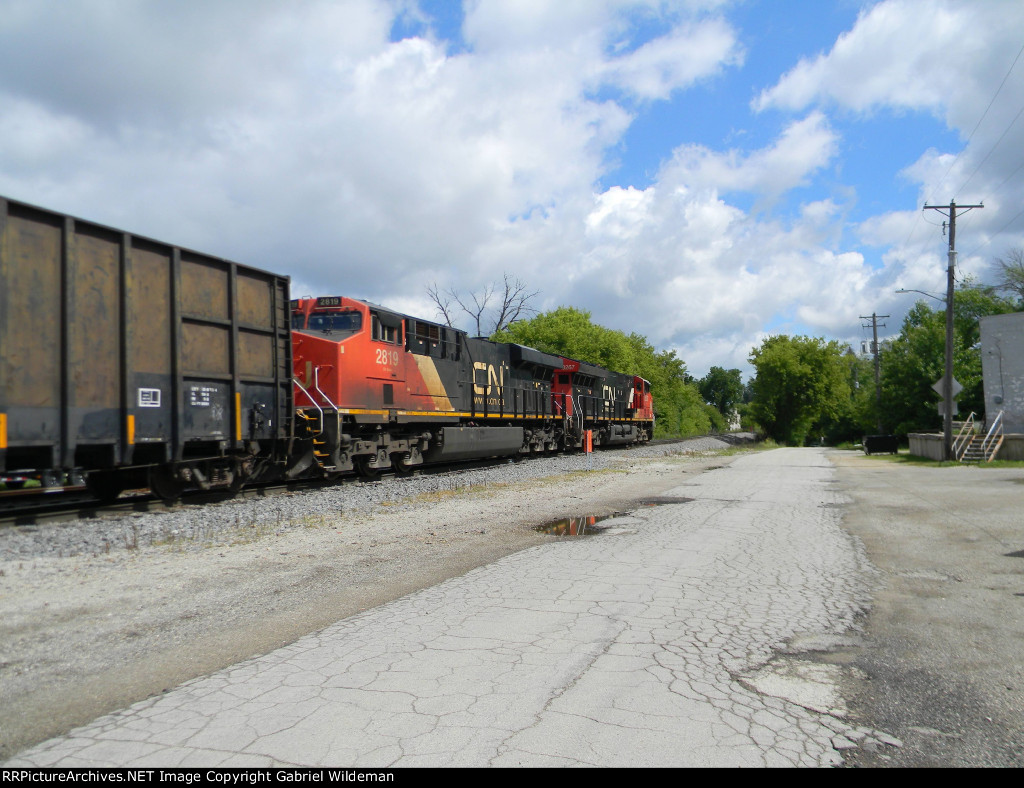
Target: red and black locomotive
[[126, 362], [376, 389]]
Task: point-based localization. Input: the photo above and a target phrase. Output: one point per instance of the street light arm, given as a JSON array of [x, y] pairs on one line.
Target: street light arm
[[922, 292]]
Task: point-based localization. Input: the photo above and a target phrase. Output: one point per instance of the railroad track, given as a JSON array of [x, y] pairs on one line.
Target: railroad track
[[38, 506]]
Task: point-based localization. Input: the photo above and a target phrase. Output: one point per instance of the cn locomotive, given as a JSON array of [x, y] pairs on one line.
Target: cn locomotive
[[131, 363]]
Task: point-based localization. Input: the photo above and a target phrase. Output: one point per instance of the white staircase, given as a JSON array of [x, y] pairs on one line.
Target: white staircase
[[970, 447]]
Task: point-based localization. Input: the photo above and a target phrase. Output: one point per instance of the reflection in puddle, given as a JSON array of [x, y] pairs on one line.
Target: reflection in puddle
[[574, 526], [584, 525]]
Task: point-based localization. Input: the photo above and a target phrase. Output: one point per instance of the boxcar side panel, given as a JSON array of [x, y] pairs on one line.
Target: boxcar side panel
[[30, 326], [150, 386], [119, 350], [94, 359]]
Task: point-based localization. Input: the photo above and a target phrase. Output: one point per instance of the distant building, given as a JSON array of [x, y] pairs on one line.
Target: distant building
[[1002, 369], [867, 348]]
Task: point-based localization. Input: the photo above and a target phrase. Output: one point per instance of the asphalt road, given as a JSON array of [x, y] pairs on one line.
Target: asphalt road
[[804, 608], [943, 653]]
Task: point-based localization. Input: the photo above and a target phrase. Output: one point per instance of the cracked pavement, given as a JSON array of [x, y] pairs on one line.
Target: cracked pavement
[[660, 641]]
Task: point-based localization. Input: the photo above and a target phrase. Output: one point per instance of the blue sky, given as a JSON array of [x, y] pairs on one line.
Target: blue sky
[[704, 172]]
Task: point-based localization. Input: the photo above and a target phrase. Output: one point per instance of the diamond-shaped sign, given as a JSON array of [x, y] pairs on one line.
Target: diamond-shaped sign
[[957, 388]]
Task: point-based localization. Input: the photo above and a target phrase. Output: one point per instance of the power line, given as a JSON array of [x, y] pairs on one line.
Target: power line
[[992, 149], [978, 124], [997, 232], [1007, 178]]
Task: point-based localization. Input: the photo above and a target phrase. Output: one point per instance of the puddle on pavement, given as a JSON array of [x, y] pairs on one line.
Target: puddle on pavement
[[586, 525], [575, 526]]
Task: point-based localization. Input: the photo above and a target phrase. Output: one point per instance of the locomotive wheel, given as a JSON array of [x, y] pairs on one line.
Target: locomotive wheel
[[164, 484], [402, 468], [364, 469]]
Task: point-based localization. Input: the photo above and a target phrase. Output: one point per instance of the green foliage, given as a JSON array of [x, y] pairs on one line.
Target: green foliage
[[723, 389], [916, 359], [1011, 274], [566, 331], [856, 416], [802, 384]]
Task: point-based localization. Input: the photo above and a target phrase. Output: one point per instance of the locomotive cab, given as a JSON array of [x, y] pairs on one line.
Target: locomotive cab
[[346, 353]]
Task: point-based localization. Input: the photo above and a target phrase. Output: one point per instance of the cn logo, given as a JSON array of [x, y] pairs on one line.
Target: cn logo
[[487, 379]]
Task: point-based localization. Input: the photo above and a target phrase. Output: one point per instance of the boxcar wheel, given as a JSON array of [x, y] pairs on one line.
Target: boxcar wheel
[[164, 484]]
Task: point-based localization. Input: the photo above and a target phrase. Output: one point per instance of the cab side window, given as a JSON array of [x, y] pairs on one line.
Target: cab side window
[[384, 333]]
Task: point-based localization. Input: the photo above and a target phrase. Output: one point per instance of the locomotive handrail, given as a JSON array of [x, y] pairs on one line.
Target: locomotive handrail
[[577, 414], [315, 405], [472, 378], [316, 385]]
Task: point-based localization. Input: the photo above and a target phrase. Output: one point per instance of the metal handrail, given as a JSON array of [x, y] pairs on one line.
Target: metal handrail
[[315, 405], [993, 438], [961, 442], [316, 385]]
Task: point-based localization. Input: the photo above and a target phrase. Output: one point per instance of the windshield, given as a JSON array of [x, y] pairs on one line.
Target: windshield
[[329, 322]]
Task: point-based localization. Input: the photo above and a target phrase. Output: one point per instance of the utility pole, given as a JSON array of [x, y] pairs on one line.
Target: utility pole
[[947, 380], [878, 375]]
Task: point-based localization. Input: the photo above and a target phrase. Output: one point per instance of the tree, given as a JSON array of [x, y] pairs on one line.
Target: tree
[[857, 416], [915, 359], [801, 383], [571, 333], [491, 308], [723, 389], [1011, 273]]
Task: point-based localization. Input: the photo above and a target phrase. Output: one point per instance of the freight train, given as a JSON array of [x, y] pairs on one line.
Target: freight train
[[131, 363]]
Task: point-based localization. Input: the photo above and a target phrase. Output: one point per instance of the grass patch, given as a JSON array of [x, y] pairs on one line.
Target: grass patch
[[1002, 464], [743, 448], [906, 458]]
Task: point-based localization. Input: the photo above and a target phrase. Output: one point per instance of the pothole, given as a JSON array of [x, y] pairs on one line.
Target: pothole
[[813, 685]]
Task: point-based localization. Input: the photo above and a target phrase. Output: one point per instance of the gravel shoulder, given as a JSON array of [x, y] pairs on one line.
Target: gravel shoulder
[[97, 615]]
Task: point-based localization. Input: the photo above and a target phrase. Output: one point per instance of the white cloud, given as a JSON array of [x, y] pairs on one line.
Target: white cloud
[[936, 55], [803, 148], [689, 53], [300, 138]]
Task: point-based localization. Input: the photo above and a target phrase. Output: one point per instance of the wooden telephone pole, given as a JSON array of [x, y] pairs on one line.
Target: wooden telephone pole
[[947, 379], [878, 375]]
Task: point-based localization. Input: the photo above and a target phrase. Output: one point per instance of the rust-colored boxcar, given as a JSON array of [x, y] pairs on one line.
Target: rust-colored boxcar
[[117, 351]]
